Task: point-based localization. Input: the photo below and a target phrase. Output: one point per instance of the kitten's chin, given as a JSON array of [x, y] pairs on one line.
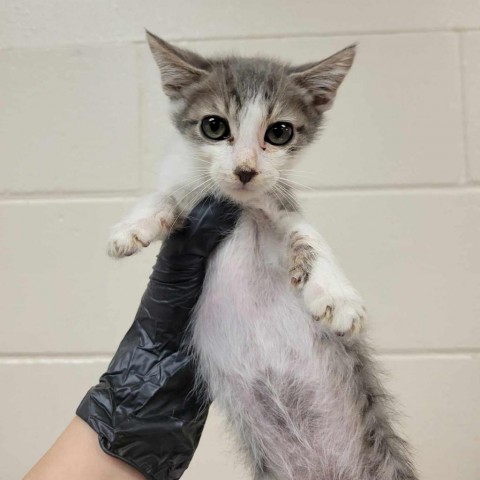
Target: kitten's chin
[[242, 194]]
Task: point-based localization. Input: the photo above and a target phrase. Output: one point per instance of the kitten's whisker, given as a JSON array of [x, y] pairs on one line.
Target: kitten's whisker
[[193, 190], [201, 194], [183, 187], [293, 183], [278, 197], [287, 195], [189, 183], [285, 189], [155, 171], [294, 173], [295, 170], [189, 203], [203, 160], [296, 176]]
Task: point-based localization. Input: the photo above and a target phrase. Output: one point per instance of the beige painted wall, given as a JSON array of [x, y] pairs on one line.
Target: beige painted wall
[[396, 191]]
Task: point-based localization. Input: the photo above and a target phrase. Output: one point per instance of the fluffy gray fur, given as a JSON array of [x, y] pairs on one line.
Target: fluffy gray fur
[[277, 332]]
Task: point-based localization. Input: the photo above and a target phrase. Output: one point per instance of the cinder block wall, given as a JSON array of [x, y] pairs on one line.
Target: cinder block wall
[[395, 188]]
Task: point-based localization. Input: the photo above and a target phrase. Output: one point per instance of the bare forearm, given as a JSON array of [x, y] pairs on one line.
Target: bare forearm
[[76, 455]]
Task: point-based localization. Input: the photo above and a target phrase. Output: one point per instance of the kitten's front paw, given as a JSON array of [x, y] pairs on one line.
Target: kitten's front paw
[[127, 241], [301, 257], [128, 238], [343, 312]]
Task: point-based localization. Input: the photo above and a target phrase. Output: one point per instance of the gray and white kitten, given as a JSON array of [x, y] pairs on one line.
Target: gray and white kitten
[[277, 330]]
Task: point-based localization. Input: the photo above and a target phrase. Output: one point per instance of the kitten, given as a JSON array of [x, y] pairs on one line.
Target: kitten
[[242, 123], [277, 331]]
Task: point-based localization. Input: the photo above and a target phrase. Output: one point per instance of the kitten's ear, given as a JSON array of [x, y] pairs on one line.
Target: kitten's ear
[[322, 79], [179, 68]]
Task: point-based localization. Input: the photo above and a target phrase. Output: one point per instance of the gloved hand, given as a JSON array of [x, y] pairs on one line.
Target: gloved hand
[[144, 408]]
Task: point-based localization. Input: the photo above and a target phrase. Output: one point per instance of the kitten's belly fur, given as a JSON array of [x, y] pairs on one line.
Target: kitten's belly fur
[[258, 352], [305, 403], [249, 317]]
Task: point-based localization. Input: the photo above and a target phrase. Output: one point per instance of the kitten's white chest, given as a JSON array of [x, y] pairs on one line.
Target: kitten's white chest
[[249, 318]]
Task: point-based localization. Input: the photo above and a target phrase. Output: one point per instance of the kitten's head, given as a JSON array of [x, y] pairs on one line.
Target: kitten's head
[[247, 117]]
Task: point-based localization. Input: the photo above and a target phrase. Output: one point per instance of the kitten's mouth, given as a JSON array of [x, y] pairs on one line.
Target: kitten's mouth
[[244, 187], [241, 191], [245, 193]]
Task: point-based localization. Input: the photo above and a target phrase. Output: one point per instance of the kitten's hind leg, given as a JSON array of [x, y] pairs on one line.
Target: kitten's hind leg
[[382, 453], [153, 218]]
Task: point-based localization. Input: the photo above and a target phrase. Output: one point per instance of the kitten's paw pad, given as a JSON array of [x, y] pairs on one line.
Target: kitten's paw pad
[[123, 243], [344, 315], [301, 257]]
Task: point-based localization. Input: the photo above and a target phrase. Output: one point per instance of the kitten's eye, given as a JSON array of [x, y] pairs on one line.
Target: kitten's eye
[[215, 128], [279, 133]]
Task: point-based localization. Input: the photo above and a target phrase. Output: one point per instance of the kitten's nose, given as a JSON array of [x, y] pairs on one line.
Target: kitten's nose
[[245, 175]]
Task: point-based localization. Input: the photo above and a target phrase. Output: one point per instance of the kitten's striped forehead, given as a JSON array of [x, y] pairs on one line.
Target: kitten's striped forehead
[[237, 85], [249, 80]]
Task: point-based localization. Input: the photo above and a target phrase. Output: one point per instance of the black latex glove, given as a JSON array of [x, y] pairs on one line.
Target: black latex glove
[[144, 409]]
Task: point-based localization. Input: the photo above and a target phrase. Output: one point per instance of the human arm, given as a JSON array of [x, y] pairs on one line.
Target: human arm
[[144, 409]]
